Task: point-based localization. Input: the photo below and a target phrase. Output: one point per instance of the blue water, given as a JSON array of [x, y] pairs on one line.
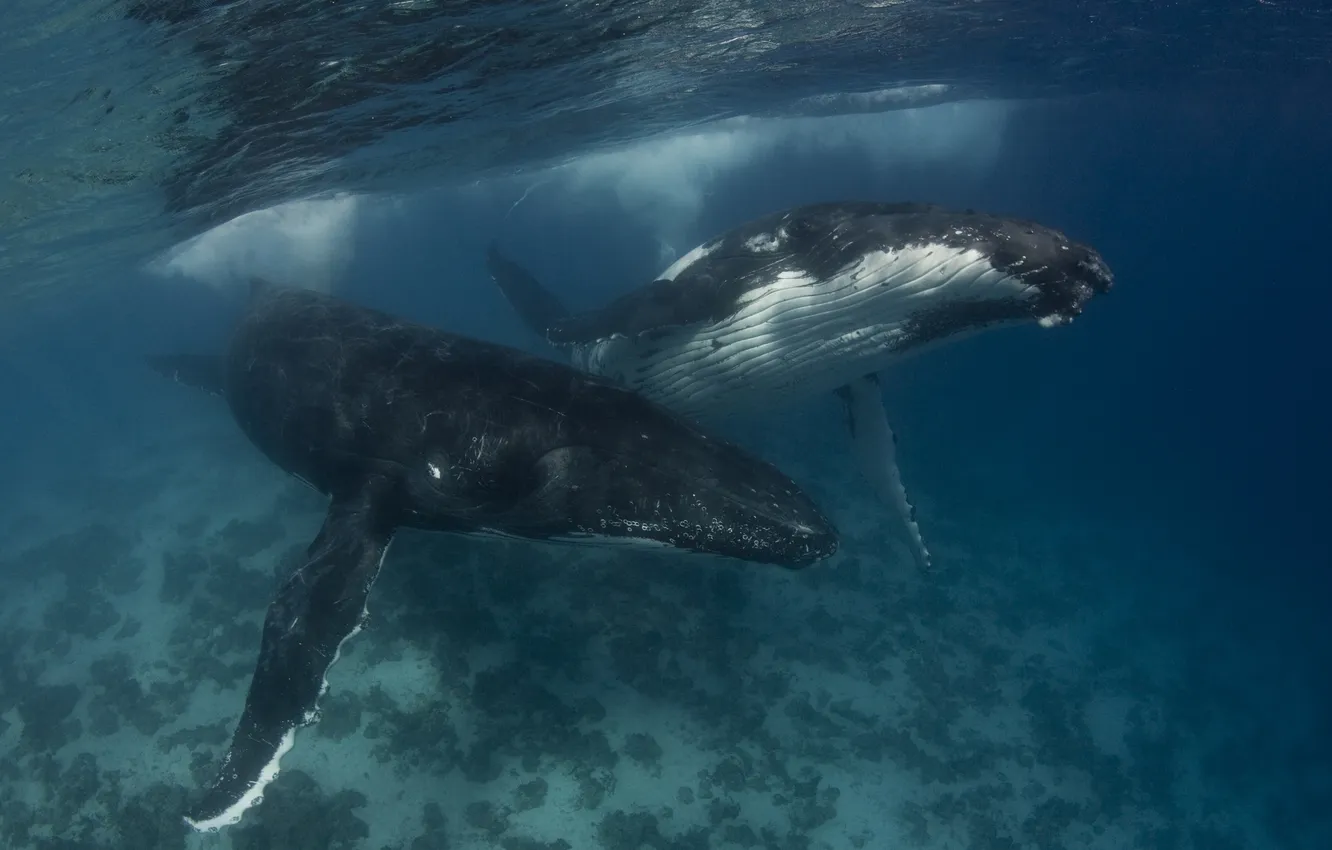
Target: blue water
[[1126, 645]]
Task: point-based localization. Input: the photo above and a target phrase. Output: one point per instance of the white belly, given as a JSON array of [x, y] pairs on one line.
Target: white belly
[[797, 337]]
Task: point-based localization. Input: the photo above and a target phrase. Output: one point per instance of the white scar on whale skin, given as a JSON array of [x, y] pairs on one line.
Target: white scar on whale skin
[[254, 795]]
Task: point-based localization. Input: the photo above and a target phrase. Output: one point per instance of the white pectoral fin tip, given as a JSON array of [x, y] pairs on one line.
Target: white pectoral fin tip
[[253, 796], [341, 565]]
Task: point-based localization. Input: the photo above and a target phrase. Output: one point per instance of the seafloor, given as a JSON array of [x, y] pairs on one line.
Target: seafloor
[[524, 697]]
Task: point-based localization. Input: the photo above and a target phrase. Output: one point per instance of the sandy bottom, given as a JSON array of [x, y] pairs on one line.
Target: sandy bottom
[[1037, 690]]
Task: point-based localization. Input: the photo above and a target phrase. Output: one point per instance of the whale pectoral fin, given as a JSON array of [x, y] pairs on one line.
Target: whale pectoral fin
[[205, 372], [877, 446], [318, 607], [538, 307]]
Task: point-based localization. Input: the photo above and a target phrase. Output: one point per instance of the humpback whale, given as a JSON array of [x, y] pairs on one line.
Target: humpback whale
[[405, 426], [818, 299]]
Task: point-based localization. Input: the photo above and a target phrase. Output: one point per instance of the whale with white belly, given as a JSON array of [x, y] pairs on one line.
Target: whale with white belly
[[819, 299]]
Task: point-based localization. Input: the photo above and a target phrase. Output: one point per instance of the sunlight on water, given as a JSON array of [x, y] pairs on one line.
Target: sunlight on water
[[664, 182], [299, 243], [91, 122]]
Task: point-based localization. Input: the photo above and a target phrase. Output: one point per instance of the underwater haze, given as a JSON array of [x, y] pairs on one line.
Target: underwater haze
[[1124, 641]]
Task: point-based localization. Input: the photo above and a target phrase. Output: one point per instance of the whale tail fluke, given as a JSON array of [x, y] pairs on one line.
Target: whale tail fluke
[[538, 307], [202, 371]]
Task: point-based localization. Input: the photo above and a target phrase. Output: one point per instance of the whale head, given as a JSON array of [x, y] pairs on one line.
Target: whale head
[[584, 461], [1065, 275], [909, 240], [685, 491], [633, 472], [952, 270]]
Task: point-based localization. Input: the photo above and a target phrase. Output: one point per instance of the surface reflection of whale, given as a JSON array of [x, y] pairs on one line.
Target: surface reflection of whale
[[404, 426], [818, 299]]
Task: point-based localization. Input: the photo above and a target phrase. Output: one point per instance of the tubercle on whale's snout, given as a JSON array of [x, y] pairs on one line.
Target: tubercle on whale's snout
[[1102, 279], [791, 542], [816, 544], [817, 552], [792, 547], [1092, 279], [1054, 320]]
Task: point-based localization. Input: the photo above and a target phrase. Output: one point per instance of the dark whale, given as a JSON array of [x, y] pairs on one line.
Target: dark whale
[[818, 299], [404, 426]]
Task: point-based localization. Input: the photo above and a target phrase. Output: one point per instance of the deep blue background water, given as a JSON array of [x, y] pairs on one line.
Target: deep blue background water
[[1189, 407]]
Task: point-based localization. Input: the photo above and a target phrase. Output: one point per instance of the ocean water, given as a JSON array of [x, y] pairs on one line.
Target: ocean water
[[1125, 645]]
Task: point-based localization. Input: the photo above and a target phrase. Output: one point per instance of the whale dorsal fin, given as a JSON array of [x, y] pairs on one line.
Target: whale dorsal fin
[[658, 305], [538, 307]]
